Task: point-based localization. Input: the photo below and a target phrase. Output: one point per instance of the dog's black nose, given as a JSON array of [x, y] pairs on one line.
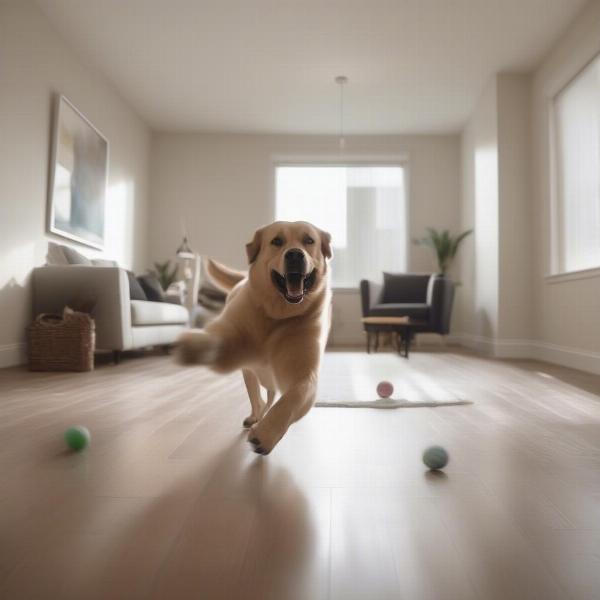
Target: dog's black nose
[[295, 261], [294, 255]]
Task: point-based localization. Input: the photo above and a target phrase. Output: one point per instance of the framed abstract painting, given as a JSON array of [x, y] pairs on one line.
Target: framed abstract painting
[[78, 177]]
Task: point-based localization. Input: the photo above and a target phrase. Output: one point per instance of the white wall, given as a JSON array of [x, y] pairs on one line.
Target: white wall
[[495, 299], [222, 186], [477, 306], [34, 65], [514, 226], [566, 312]]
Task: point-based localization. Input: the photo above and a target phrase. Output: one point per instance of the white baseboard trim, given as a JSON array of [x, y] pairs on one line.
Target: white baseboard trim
[[512, 348], [12, 355], [575, 358], [583, 360], [479, 343], [423, 340]]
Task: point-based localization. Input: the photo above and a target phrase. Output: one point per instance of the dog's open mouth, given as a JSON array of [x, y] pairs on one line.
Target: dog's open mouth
[[294, 286]]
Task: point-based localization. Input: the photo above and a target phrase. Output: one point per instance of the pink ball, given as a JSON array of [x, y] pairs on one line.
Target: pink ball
[[385, 389]]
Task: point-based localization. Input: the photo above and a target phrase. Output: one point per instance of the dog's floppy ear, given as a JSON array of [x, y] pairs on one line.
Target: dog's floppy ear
[[326, 244], [253, 247]]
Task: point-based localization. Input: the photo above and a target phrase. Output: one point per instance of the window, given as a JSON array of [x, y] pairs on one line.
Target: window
[[363, 207], [577, 170]]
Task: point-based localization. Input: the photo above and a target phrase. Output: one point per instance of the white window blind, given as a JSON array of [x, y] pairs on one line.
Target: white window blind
[[363, 207], [577, 167]]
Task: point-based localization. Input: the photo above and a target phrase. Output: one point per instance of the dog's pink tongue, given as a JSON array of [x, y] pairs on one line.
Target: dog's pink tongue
[[293, 284]]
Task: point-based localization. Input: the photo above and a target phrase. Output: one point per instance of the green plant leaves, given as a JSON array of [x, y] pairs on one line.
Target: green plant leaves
[[444, 244]]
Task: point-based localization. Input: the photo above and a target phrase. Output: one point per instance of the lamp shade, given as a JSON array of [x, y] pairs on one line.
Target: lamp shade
[[184, 250]]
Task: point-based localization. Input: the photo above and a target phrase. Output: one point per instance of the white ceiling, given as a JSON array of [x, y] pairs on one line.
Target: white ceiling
[[415, 66]]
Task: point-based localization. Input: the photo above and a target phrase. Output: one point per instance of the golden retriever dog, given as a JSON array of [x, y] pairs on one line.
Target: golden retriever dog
[[274, 326]]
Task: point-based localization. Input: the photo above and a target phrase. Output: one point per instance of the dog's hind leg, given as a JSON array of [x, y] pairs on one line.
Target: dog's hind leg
[[256, 401]]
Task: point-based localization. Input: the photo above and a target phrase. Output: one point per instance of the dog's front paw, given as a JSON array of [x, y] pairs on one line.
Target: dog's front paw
[[249, 421], [263, 438], [197, 348]]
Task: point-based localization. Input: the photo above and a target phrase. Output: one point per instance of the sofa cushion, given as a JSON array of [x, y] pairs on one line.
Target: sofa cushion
[[144, 312], [103, 262], [56, 255], [414, 310], [136, 291], [152, 288], [74, 257], [405, 288]]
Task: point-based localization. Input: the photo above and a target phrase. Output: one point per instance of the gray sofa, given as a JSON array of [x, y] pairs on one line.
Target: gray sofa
[[121, 323]]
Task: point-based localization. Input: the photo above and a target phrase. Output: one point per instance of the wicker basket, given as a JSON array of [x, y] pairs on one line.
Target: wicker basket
[[62, 343]]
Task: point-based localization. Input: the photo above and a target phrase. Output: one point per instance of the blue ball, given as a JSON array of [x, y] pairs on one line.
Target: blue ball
[[435, 457]]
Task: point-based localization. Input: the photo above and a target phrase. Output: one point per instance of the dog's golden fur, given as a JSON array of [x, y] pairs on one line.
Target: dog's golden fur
[[274, 328]]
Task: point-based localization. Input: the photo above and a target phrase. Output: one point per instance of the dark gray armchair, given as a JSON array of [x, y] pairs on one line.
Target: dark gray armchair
[[426, 299]]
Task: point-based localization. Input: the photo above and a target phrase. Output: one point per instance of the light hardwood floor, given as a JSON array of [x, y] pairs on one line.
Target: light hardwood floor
[[169, 502]]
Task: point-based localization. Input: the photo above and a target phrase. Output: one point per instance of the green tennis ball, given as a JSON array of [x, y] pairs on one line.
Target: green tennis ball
[[77, 438], [435, 457]]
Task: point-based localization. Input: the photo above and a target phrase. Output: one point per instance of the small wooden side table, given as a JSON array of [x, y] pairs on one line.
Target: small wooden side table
[[401, 326]]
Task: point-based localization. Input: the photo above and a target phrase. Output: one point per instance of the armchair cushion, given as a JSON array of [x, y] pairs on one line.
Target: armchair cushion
[[416, 310], [442, 299], [157, 313], [404, 288], [370, 294]]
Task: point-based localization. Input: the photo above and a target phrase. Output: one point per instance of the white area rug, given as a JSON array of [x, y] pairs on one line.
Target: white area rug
[[349, 379], [389, 403]]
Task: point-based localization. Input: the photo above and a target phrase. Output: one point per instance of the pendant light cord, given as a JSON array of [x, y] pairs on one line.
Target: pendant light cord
[[341, 80]]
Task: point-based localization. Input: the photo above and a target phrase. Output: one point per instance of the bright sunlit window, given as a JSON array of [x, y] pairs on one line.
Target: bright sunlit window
[[577, 170], [363, 207]]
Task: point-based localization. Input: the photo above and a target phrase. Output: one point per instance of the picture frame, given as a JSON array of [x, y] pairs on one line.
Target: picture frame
[[78, 177]]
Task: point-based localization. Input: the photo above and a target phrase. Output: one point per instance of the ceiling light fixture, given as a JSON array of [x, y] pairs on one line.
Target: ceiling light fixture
[[341, 80]]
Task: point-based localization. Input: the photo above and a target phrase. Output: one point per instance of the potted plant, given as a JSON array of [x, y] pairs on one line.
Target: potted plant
[[444, 244]]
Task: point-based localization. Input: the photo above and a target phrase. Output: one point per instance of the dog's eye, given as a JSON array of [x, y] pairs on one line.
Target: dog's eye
[[308, 240], [277, 241]]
